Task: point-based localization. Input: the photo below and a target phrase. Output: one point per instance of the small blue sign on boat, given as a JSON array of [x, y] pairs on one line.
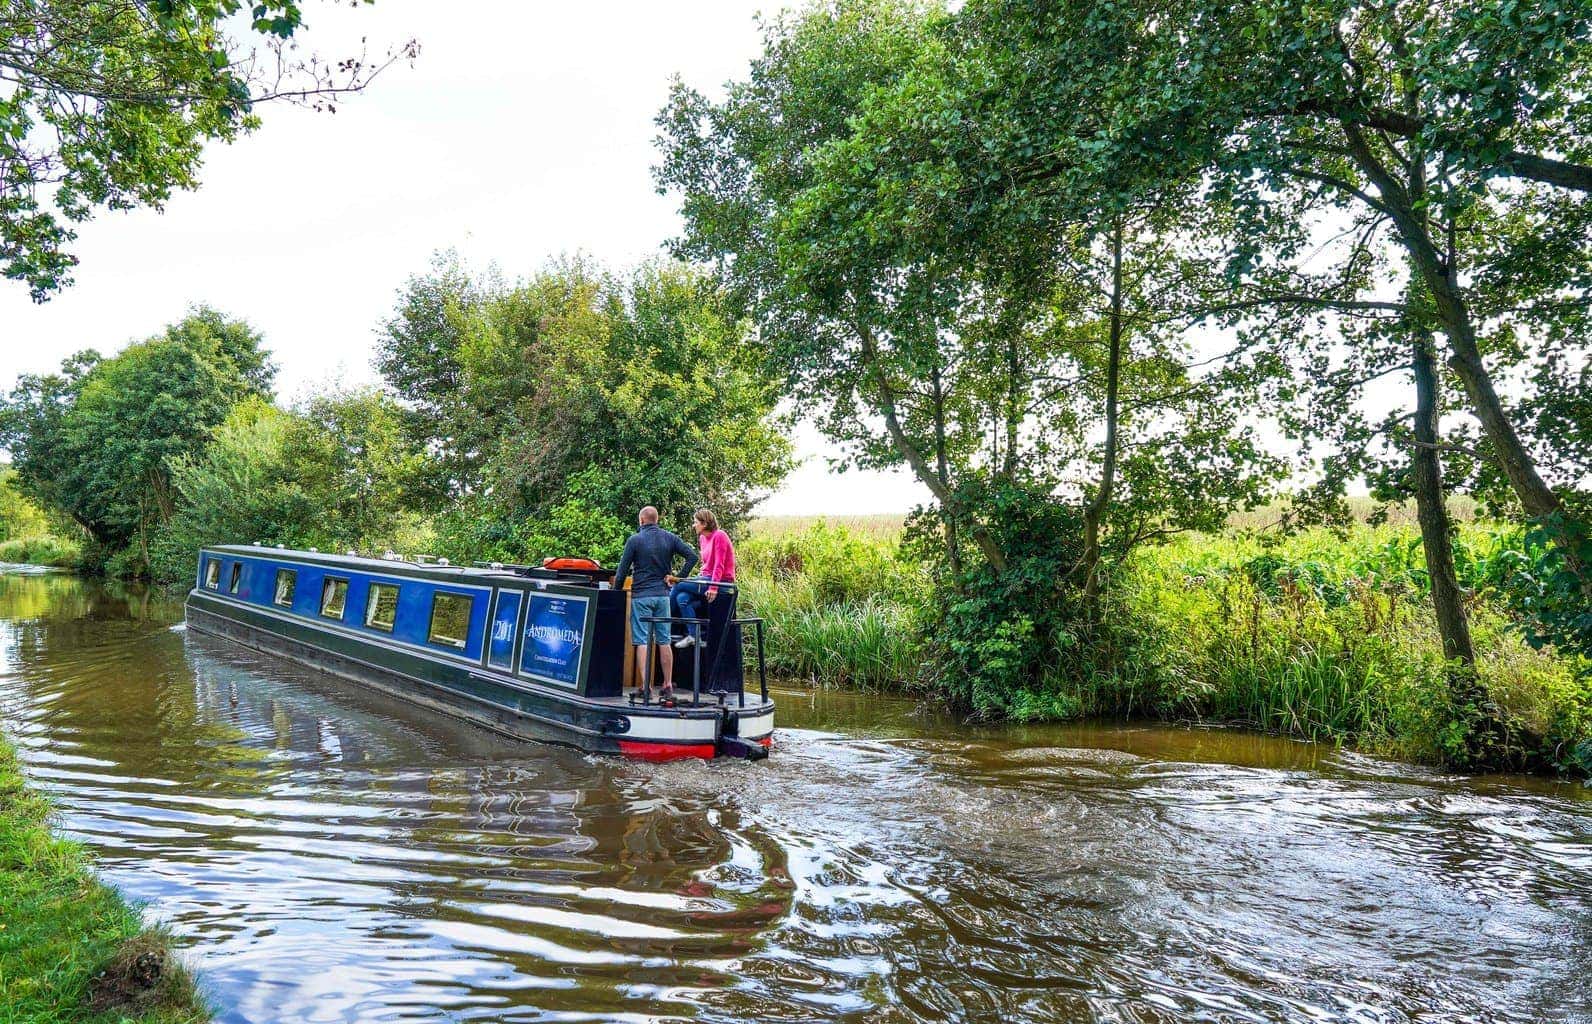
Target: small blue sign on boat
[[555, 633], [500, 645]]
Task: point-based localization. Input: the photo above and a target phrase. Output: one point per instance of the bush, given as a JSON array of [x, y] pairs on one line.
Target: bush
[[1018, 643], [330, 475], [483, 529]]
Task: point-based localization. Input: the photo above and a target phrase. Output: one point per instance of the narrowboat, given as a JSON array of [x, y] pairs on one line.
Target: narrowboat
[[533, 652]]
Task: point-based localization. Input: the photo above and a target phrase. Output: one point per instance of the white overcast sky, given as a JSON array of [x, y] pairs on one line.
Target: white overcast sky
[[523, 131]]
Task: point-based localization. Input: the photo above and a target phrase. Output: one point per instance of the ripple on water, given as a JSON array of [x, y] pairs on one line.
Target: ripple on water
[[327, 856]]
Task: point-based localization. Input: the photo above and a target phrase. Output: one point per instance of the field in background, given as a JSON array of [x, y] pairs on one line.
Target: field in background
[[888, 524], [882, 525]]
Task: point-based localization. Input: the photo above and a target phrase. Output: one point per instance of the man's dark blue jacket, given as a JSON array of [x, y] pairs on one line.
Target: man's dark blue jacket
[[650, 552]]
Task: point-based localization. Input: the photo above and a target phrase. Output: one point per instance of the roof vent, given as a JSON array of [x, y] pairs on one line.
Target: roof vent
[[315, 551], [281, 547], [349, 552], [442, 561]]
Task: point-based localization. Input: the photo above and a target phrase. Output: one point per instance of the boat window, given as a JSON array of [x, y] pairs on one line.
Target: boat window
[[285, 579], [237, 577], [334, 595], [381, 608], [450, 619], [213, 573]]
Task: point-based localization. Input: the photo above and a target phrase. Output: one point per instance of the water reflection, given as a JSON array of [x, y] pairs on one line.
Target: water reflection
[[329, 856]]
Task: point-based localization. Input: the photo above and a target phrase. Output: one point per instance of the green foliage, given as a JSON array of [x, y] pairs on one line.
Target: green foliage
[[19, 517], [558, 406], [838, 565], [331, 475], [1325, 635], [60, 929], [1545, 590], [1330, 637], [1001, 642], [843, 607], [578, 526], [109, 106], [95, 442], [42, 550]]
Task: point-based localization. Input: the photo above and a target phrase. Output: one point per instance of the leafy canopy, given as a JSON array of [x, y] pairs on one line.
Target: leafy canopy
[[107, 104], [96, 441], [556, 407]]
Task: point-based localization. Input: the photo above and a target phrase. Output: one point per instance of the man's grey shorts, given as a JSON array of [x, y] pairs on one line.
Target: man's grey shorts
[[646, 607]]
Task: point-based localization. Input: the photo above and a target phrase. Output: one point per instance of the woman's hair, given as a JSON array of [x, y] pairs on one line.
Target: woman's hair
[[707, 518]]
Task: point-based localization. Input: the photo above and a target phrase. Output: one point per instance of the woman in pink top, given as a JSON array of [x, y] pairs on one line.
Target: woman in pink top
[[690, 597]]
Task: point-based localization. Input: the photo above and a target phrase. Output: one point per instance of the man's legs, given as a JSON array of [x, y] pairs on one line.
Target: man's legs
[[641, 609], [644, 665]]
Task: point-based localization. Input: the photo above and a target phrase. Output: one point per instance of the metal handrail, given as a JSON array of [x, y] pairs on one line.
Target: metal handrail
[[696, 650], [762, 670]]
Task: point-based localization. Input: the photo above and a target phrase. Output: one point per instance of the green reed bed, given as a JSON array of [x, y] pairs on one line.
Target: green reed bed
[[841, 604], [71, 950], [1331, 638]]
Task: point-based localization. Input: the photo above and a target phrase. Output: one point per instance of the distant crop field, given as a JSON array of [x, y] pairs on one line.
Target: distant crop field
[[880, 526], [887, 525]]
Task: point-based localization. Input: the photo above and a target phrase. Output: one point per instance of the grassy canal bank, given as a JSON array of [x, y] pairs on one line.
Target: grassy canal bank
[[71, 949], [1322, 635]]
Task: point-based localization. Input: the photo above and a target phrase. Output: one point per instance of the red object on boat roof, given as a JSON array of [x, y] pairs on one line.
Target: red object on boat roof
[[586, 564]]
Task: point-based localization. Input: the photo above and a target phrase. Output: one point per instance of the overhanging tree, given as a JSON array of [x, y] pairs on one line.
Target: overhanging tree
[[107, 104]]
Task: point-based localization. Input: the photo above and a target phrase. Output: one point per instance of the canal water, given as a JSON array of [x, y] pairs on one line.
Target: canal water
[[326, 856]]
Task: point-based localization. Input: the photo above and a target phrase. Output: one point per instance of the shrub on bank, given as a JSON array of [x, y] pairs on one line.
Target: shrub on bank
[[42, 550]]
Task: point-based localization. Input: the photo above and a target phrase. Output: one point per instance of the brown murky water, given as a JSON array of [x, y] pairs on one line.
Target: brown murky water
[[325, 856]]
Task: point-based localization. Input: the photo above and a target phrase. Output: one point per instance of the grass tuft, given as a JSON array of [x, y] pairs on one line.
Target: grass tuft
[[71, 950]]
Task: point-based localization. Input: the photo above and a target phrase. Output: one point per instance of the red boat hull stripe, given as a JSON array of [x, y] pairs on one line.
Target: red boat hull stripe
[[665, 751]]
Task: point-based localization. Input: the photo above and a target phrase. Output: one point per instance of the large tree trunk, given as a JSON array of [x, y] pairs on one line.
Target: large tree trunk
[[884, 392], [1095, 512], [1431, 509], [1441, 278]]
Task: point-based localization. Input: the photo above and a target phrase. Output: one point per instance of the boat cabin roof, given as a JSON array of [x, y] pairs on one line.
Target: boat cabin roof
[[495, 573]]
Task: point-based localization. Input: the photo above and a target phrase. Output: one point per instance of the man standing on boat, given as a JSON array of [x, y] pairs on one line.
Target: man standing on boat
[[650, 553]]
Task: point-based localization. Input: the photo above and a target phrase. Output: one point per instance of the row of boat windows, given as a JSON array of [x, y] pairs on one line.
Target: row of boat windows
[[450, 613]]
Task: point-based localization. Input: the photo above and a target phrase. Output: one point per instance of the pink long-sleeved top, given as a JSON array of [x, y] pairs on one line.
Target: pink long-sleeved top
[[718, 557]]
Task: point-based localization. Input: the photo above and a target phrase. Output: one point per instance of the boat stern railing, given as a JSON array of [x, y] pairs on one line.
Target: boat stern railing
[[698, 627]]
